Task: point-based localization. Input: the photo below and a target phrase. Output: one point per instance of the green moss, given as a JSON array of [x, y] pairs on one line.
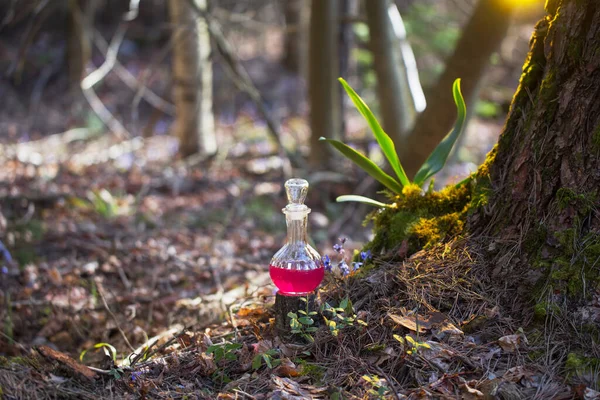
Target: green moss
[[578, 365], [541, 310], [582, 202], [422, 218], [314, 371], [573, 268], [548, 95]]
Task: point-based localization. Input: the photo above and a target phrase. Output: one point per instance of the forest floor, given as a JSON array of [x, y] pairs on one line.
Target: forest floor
[[158, 269]]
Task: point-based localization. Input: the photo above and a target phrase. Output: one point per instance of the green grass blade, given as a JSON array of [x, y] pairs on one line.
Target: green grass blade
[[385, 142], [361, 199], [438, 157], [367, 165]]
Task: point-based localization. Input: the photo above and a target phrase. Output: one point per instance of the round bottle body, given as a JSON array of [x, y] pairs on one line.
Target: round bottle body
[[296, 272]]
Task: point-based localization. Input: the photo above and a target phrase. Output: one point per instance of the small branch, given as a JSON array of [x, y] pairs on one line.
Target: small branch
[[109, 62], [132, 82], [113, 316], [143, 349]]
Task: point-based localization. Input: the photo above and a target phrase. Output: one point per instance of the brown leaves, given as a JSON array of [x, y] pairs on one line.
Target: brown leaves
[[511, 343], [288, 389], [437, 322]]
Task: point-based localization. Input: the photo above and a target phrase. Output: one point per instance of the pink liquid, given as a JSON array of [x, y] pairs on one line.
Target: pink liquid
[[294, 282]]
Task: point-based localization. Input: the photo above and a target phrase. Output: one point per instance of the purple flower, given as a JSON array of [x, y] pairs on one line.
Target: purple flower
[[135, 375], [338, 248], [344, 268], [327, 263], [4, 269], [365, 255], [356, 266], [5, 253], [343, 240]]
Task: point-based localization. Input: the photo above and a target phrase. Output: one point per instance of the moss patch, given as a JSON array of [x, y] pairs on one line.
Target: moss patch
[[581, 366]]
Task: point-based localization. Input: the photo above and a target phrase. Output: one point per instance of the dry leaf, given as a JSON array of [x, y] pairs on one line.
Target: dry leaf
[[511, 343], [287, 369], [469, 393], [591, 394]]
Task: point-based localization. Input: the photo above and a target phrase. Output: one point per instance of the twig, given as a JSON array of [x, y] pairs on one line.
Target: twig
[[113, 316], [243, 81], [132, 82], [143, 349]]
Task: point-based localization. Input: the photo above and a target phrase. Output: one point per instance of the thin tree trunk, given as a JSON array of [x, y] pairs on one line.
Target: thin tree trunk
[[192, 80], [543, 215], [79, 41], [480, 38], [346, 42], [323, 72], [292, 57], [398, 86]]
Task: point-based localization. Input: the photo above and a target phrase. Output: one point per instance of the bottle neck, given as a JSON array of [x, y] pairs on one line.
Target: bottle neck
[[297, 228]]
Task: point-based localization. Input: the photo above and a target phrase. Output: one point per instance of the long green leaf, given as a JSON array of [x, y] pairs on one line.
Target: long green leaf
[[385, 142], [367, 165], [440, 154], [361, 199]]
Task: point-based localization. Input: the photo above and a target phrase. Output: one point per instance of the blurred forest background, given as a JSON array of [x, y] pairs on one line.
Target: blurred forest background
[[144, 143]]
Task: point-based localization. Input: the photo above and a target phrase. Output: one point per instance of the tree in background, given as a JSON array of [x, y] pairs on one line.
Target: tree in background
[[293, 43], [480, 38], [322, 78], [399, 89], [192, 79]]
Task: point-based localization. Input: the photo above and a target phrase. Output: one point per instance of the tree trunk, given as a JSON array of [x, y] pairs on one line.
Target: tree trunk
[[192, 80], [479, 40], [542, 220], [322, 79], [292, 57], [79, 40], [399, 90]]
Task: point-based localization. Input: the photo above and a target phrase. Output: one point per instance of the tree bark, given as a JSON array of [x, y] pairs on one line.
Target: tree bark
[[480, 38], [192, 80], [399, 90], [542, 220], [322, 79], [79, 41], [292, 57]]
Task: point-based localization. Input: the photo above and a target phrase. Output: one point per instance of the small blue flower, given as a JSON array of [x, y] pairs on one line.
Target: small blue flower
[[5, 253], [327, 263], [135, 375], [338, 248], [365, 255], [356, 266], [4, 270], [344, 268]]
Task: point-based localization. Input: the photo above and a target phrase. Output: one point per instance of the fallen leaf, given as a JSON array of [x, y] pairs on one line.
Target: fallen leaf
[[287, 369], [469, 393], [511, 343], [591, 394]]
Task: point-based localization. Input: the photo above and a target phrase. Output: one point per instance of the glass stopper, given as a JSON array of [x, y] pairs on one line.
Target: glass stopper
[[296, 190]]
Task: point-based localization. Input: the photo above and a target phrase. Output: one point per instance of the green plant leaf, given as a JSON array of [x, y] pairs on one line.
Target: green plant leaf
[[267, 359], [104, 346], [361, 199], [257, 361], [306, 320], [367, 165], [438, 157], [385, 142]]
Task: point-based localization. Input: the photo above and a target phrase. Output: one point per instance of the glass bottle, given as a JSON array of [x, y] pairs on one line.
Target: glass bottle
[[296, 269]]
